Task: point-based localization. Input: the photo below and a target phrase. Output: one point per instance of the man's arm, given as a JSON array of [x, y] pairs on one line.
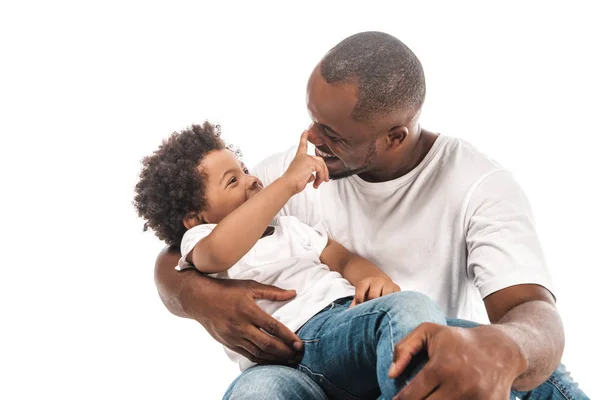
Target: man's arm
[[520, 350], [524, 343], [528, 316], [234, 320], [369, 280]]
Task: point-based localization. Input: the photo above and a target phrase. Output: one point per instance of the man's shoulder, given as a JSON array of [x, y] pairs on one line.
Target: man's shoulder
[[464, 159]]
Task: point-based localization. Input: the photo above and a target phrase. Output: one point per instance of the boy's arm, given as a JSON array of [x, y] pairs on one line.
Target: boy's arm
[[235, 235], [369, 280]]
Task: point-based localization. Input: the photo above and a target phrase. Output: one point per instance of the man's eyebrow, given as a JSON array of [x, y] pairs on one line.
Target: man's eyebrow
[[230, 170]]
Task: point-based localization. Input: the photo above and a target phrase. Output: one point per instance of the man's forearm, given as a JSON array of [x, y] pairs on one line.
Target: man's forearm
[[537, 329], [174, 286]]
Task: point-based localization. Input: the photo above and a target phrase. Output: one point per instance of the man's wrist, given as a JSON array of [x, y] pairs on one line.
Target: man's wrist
[[507, 336]]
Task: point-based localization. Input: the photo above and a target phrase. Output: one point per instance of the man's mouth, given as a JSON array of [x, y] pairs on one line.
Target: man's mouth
[[325, 155]]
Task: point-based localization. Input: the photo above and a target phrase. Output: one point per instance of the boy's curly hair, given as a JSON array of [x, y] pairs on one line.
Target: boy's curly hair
[[170, 185]]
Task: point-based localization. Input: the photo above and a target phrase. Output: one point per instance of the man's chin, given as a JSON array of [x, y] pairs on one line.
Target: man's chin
[[338, 170]]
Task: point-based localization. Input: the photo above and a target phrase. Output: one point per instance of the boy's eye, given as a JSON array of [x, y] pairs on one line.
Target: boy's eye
[[246, 172], [232, 180]]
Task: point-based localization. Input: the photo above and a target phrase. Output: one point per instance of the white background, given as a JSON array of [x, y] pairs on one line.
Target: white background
[[89, 88]]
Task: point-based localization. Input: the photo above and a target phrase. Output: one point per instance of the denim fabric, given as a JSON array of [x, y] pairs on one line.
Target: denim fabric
[[348, 353]]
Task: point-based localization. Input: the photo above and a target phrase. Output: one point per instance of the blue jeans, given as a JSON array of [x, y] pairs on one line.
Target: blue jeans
[[348, 353]]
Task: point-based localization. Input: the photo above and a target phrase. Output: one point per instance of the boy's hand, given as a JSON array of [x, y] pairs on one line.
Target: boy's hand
[[300, 172], [372, 288]]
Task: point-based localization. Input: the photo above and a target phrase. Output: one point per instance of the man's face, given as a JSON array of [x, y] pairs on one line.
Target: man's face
[[348, 147]]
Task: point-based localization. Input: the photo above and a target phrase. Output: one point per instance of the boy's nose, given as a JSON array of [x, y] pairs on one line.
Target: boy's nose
[[251, 182]]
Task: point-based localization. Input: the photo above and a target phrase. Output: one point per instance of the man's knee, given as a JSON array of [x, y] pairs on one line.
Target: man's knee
[[273, 382]]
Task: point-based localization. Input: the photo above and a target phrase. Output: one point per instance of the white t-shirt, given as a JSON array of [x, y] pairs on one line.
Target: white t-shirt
[[458, 227], [289, 259]]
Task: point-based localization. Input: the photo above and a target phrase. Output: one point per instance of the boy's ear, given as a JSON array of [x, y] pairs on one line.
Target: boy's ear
[[192, 219]]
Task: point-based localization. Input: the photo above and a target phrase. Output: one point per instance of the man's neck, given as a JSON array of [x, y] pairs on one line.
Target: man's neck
[[423, 145]]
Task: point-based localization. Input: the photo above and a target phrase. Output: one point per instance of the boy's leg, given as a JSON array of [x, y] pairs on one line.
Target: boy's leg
[[273, 382], [559, 386], [348, 352]]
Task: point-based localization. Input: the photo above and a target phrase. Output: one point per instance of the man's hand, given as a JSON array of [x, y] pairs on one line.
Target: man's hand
[[373, 287], [474, 363], [300, 172], [234, 320]]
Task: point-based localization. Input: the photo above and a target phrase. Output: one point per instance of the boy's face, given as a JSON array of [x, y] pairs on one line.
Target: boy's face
[[228, 184]]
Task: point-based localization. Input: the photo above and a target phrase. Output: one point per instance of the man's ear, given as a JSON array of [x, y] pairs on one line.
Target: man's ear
[[192, 219], [395, 136]]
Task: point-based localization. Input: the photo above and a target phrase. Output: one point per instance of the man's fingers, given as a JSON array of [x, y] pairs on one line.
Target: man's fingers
[[423, 385], [402, 358], [259, 356], [277, 329], [267, 344], [303, 146], [408, 347], [267, 292], [242, 351]]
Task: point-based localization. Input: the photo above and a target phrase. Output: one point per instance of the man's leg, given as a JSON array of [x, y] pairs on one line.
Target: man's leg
[[559, 386], [274, 382], [348, 352]]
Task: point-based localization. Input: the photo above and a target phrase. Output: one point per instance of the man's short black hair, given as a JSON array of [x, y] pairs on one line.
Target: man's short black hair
[[170, 185], [388, 74]]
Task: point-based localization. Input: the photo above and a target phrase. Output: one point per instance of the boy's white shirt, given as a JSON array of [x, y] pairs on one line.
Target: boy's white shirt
[[458, 227], [289, 259]]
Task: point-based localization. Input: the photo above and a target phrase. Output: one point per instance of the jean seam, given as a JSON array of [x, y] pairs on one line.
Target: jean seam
[[327, 380], [560, 388]]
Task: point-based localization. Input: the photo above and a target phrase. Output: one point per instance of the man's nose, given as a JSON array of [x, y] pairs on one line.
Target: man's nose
[[314, 135]]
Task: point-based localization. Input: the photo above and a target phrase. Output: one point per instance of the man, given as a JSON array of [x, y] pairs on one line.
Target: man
[[432, 212]]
